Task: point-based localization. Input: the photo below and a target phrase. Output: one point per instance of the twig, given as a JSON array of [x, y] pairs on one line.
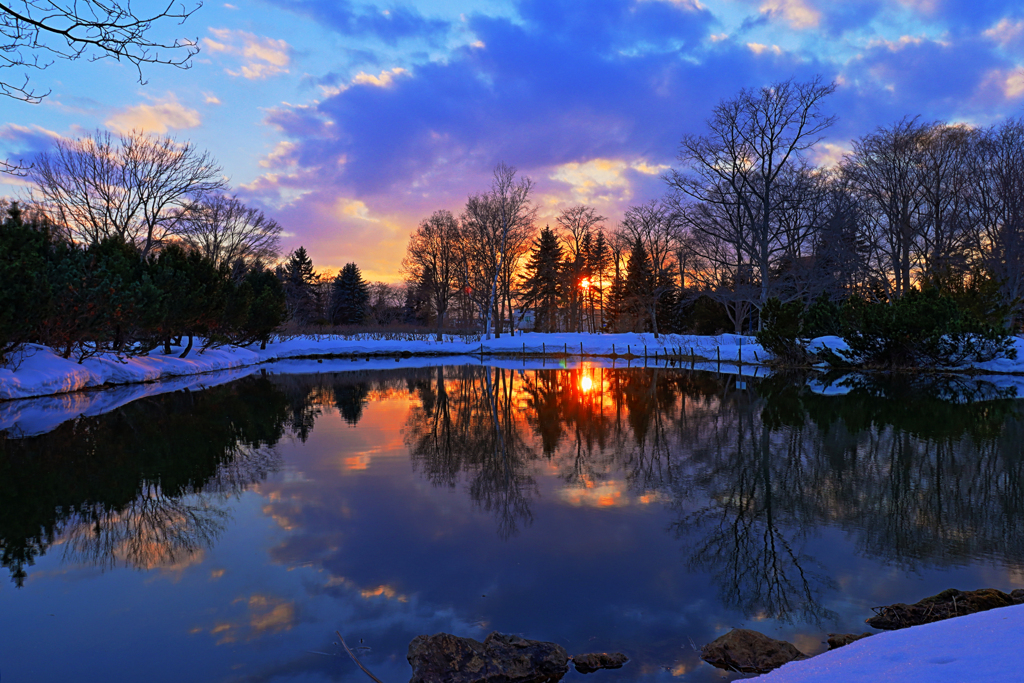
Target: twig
[[356, 660]]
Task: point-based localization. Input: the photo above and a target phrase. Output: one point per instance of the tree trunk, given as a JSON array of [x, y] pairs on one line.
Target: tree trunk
[[187, 348]]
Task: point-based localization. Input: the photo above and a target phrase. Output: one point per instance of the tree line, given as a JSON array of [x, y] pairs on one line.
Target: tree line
[[133, 243], [746, 220], [918, 220]]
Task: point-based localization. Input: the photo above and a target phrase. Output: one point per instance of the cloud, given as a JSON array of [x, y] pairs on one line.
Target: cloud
[[1006, 31], [1007, 83], [262, 57], [391, 26], [576, 96], [760, 49], [797, 13], [157, 117], [385, 79]]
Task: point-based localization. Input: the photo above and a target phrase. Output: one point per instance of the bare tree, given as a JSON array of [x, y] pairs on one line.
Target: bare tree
[[225, 230], [755, 139], [514, 222], [38, 32], [137, 187], [652, 225], [998, 194], [432, 261], [579, 223], [497, 227], [884, 170]]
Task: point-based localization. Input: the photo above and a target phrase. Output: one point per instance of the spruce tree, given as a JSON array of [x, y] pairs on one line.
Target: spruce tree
[[299, 278], [543, 283], [639, 288], [24, 289], [599, 260], [350, 296]]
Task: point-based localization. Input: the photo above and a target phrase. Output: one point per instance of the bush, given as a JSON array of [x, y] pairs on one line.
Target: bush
[[928, 328], [780, 331], [24, 289]]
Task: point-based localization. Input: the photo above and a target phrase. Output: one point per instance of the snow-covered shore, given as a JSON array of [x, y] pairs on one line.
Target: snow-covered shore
[[977, 647], [40, 389], [41, 372]]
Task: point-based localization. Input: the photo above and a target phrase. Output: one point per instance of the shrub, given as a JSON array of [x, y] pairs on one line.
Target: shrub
[[928, 328], [780, 331]]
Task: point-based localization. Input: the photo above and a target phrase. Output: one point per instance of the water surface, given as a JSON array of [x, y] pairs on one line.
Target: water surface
[[224, 535]]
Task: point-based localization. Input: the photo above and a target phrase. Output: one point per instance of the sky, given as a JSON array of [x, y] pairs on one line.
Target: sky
[[349, 122]]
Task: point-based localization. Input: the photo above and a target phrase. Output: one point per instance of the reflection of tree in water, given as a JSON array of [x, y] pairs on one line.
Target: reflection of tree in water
[[747, 536], [142, 486], [751, 472], [916, 475], [468, 422]]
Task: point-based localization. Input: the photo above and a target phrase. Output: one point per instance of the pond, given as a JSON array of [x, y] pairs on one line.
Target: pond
[[226, 534]]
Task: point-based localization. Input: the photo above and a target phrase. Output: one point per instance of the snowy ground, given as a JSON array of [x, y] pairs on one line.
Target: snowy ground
[[49, 386], [40, 372], [979, 647]]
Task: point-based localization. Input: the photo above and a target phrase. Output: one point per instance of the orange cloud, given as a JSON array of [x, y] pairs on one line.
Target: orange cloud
[[157, 117], [262, 57]]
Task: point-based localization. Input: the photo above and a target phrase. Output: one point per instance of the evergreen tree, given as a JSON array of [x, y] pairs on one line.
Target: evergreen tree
[[599, 259], [269, 308], [299, 279], [194, 294], [639, 289], [350, 296], [416, 308], [543, 283], [616, 318], [24, 288]]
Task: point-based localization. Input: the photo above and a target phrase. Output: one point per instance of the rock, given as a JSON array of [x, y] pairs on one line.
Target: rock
[[593, 661], [444, 658], [749, 652], [947, 604], [837, 640], [1017, 596]]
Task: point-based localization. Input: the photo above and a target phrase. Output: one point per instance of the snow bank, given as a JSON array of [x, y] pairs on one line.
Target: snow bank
[[977, 647], [41, 372]]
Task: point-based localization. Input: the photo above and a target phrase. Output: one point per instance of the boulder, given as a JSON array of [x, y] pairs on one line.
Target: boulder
[[593, 661], [749, 652], [947, 604], [1017, 596], [444, 658], [837, 640]]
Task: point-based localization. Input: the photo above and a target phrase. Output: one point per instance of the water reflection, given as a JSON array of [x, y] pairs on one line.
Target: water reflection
[[916, 474], [144, 486]]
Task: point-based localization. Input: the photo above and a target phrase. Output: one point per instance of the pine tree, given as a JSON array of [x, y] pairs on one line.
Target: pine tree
[[599, 260], [350, 296], [543, 283], [616, 318], [639, 288], [299, 278], [24, 289]]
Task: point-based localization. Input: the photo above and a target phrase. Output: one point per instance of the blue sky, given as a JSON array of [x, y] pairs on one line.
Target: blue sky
[[350, 121]]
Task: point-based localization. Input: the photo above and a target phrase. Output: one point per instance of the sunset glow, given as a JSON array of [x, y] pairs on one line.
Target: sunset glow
[[350, 148]]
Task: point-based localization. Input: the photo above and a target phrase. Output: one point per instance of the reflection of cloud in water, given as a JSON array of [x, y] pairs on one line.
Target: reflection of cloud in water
[[603, 495], [387, 591], [265, 614], [613, 493]]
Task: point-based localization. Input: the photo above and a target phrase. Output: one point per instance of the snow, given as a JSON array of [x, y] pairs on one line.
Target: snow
[[41, 372], [978, 647], [38, 372]]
